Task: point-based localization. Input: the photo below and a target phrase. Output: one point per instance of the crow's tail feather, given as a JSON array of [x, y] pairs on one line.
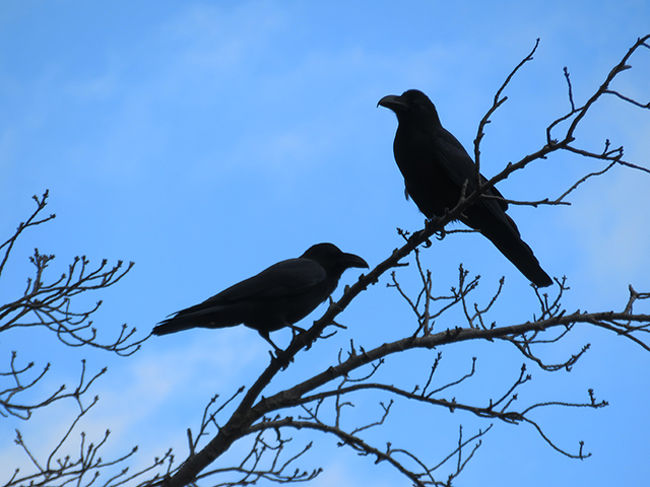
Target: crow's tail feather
[[212, 317], [505, 236], [171, 326]]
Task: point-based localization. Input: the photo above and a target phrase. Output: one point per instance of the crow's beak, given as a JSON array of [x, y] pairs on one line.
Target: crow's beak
[[392, 102], [351, 260]]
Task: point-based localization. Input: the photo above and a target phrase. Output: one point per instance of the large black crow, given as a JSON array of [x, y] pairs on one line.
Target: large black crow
[[435, 167], [277, 297]]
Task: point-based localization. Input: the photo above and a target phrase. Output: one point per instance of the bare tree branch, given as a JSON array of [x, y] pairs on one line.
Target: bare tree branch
[[259, 415], [87, 467], [316, 398], [50, 304]]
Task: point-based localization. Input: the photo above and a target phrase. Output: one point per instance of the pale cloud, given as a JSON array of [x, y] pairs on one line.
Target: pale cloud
[[342, 474], [135, 398], [216, 38], [198, 369], [98, 87], [286, 147]]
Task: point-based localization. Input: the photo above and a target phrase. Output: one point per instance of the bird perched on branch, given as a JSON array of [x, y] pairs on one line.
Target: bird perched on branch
[[277, 297], [436, 168]]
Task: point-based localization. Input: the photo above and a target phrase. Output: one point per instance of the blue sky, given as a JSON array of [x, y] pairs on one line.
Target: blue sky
[[207, 140]]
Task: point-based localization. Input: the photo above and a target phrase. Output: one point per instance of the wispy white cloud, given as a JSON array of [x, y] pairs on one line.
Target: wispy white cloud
[[215, 37], [99, 87], [197, 369], [138, 397]]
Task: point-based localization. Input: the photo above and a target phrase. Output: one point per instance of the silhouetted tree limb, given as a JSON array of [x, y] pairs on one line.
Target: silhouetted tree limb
[[60, 466], [260, 417], [50, 302], [23, 410], [316, 404]]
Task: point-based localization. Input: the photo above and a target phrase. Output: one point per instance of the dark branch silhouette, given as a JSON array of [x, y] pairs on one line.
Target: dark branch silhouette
[[51, 303], [318, 404], [271, 420]]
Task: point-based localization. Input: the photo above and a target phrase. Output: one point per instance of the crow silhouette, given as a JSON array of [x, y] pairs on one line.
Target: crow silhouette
[[435, 167], [277, 297]]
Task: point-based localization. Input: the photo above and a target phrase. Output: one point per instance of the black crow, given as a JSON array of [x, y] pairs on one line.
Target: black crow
[[435, 167], [277, 297]]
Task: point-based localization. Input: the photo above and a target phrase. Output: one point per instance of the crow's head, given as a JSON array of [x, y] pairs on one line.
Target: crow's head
[[332, 258], [412, 105]]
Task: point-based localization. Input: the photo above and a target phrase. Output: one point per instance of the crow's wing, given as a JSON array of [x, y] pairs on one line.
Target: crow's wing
[[488, 215], [457, 163], [284, 279], [280, 282]]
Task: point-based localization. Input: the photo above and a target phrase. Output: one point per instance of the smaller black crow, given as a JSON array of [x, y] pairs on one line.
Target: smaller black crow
[[277, 297]]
